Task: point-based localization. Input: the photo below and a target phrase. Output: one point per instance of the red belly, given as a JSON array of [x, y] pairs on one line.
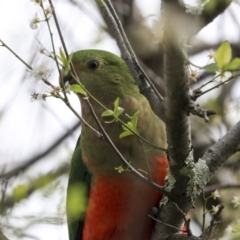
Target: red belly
[[118, 207]]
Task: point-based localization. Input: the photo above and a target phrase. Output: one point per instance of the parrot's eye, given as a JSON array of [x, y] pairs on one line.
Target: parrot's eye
[[93, 64]]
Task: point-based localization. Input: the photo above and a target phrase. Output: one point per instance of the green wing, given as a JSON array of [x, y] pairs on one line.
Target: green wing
[[77, 194]]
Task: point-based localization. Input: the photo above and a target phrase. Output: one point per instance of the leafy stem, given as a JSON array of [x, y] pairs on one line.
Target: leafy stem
[[218, 85]]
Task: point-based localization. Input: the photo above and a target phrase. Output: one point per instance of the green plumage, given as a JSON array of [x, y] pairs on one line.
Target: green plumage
[[78, 176], [107, 77]]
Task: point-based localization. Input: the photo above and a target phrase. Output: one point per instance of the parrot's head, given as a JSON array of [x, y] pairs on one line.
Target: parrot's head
[[103, 74]]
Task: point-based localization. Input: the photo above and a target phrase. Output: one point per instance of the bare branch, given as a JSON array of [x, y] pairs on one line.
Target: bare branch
[[189, 24], [27, 163], [2, 236], [206, 235], [32, 186], [218, 154], [195, 109], [113, 26], [213, 187], [58, 29]]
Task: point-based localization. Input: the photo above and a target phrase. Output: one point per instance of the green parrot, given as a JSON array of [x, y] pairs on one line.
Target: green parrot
[[118, 202]]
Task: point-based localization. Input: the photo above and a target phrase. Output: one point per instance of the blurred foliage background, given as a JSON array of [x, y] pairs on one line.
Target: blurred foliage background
[[37, 138]]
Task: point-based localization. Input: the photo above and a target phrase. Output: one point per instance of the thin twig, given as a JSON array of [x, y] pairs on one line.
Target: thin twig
[[129, 48], [121, 30], [57, 96], [82, 119], [20, 59], [58, 29], [149, 80], [208, 232], [200, 93], [157, 220], [29, 162], [213, 187], [195, 109], [54, 50], [116, 32]]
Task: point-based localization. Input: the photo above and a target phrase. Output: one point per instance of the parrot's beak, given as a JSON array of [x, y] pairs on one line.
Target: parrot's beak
[[64, 78]]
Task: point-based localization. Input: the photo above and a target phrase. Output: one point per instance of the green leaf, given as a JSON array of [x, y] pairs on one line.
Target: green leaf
[[67, 64], [132, 125], [233, 65], [107, 113], [223, 55], [117, 110], [126, 131], [135, 120], [125, 134], [212, 67], [116, 103], [115, 113], [63, 58], [78, 89], [120, 111], [120, 169], [62, 55]]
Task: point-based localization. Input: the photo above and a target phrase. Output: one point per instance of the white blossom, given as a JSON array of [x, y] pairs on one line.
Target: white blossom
[[222, 76], [211, 53], [34, 21], [38, 96], [194, 75], [42, 72], [215, 208], [215, 194], [41, 49], [229, 230], [48, 11], [54, 90], [67, 87], [236, 201]]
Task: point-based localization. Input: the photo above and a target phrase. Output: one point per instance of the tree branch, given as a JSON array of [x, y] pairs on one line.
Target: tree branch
[[144, 83], [2, 236], [212, 188], [27, 163], [206, 235], [33, 185], [190, 23], [195, 109], [218, 154], [177, 122]]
